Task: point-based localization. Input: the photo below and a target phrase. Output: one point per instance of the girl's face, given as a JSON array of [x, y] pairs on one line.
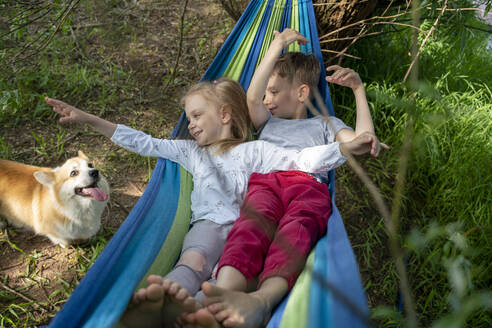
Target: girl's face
[[207, 122]]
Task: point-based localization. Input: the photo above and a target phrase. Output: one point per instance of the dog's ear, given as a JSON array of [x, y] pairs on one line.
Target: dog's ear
[[46, 178], [82, 155]]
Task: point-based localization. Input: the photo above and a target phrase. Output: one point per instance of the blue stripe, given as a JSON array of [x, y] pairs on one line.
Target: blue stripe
[[276, 318], [141, 252], [233, 41], [304, 28], [320, 299], [286, 15], [254, 53], [335, 260], [100, 278]]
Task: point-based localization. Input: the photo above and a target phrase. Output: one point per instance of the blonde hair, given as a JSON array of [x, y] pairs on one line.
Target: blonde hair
[[299, 68], [226, 92]]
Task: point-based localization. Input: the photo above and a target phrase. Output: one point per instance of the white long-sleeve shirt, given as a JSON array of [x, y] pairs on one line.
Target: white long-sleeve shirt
[[221, 180]]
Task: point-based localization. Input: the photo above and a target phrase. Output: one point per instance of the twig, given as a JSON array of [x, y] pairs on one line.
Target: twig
[[77, 45], [389, 219], [349, 37], [90, 25], [339, 53], [180, 47], [23, 297], [123, 207], [63, 16], [425, 41], [368, 20], [29, 22]]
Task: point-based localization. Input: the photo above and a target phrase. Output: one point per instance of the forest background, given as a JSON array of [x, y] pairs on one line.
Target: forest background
[[428, 209]]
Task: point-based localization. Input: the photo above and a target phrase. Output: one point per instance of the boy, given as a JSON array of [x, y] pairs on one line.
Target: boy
[[293, 205]]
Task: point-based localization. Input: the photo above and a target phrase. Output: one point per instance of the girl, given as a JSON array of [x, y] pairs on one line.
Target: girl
[[221, 163]]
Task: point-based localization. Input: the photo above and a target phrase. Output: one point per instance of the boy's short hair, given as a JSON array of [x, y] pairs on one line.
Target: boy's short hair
[[299, 68]]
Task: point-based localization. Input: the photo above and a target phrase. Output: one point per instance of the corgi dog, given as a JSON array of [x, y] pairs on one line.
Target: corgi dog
[[64, 204]]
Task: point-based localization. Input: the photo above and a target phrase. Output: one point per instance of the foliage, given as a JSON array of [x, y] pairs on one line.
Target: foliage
[[446, 218]]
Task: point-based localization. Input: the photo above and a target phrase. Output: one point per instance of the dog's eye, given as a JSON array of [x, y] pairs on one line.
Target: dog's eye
[[90, 165], [74, 173]]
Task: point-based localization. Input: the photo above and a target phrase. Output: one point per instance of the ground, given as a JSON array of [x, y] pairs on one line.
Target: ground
[[36, 276]]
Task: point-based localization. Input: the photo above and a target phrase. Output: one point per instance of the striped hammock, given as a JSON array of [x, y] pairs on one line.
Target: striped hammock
[[328, 293]]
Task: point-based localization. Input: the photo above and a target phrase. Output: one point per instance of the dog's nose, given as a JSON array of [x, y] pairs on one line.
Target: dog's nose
[[94, 174]]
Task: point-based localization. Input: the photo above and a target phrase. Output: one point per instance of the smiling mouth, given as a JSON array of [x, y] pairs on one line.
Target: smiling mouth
[[196, 134], [92, 191]]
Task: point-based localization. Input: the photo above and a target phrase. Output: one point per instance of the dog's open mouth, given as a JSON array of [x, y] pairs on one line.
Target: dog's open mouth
[[92, 191]]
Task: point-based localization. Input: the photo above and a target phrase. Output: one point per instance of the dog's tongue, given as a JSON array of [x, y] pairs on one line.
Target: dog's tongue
[[95, 193]]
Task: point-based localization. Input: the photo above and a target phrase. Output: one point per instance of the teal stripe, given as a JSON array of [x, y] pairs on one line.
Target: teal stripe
[[304, 27], [321, 298]]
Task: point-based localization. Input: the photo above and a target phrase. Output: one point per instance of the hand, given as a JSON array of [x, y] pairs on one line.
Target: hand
[[288, 36], [69, 113], [363, 143], [344, 76]]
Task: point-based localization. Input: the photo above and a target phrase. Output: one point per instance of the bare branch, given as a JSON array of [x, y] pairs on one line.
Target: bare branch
[[339, 53], [425, 40], [389, 219], [180, 47], [61, 19]]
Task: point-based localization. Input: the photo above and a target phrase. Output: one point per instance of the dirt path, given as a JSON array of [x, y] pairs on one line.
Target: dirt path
[[143, 39]]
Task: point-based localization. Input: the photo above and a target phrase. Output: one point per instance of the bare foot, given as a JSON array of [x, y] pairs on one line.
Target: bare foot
[[160, 304], [201, 319], [145, 309], [235, 309], [180, 296], [141, 295]]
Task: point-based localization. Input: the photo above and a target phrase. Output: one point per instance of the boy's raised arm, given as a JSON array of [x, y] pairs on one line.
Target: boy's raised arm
[[363, 125], [70, 114], [349, 78], [257, 87]]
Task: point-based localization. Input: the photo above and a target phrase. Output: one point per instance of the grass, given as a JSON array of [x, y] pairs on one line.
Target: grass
[[446, 211], [113, 59]]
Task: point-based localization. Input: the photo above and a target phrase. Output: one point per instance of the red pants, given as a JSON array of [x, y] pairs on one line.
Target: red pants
[[283, 215]]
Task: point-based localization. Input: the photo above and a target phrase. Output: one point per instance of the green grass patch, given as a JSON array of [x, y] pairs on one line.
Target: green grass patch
[[446, 227]]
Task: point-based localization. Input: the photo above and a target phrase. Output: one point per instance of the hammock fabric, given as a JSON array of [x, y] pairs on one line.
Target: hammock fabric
[[328, 293]]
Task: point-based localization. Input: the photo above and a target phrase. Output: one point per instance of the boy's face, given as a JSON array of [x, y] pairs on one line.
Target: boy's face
[[281, 98]]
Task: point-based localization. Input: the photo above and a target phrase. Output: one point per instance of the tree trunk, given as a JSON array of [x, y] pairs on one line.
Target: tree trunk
[[334, 17], [331, 17]]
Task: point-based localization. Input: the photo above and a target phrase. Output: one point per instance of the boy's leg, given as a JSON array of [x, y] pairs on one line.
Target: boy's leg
[[308, 207], [251, 235]]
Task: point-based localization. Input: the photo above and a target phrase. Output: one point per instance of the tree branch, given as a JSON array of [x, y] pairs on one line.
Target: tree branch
[[425, 40]]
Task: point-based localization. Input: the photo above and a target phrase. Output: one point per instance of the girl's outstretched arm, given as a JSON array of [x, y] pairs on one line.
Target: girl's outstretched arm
[[70, 114]]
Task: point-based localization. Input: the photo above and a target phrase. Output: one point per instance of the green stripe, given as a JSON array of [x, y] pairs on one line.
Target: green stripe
[[294, 24], [171, 248], [273, 24], [296, 312], [238, 61]]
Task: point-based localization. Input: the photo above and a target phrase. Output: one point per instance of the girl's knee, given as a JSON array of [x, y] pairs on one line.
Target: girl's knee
[[194, 260]]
